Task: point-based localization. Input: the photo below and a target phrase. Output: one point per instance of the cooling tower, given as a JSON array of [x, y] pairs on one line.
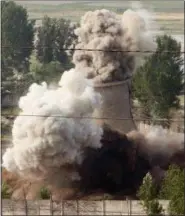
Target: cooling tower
[[116, 108]]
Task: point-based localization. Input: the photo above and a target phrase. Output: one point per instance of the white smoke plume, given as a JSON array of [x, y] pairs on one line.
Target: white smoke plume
[[105, 30], [44, 141], [158, 142]]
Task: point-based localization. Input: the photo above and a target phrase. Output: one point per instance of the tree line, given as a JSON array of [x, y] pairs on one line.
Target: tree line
[[26, 57], [172, 189]]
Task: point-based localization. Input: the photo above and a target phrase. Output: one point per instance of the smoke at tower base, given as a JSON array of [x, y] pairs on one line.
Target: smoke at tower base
[[65, 152]]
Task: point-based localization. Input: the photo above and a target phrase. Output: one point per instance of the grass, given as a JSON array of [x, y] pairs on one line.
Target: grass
[[6, 138], [181, 98], [81, 7], [10, 111], [159, 6]]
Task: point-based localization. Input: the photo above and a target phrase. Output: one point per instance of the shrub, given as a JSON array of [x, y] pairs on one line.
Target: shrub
[[5, 191], [44, 193]]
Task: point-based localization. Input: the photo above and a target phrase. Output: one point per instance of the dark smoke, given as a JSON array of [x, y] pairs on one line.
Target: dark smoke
[[118, 168], [120, 165]]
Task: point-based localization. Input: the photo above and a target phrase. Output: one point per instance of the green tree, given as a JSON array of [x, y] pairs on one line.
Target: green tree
[[173, 190], [17, 35], [17, 45], [53, 36], [158, 83], [148, 195], [48, 72]]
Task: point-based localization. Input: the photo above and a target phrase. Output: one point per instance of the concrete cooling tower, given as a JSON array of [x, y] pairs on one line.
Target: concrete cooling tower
[[116, 107]]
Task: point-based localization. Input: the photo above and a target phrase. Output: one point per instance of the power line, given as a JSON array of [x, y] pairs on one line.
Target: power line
[[97, 50], [90, 118]]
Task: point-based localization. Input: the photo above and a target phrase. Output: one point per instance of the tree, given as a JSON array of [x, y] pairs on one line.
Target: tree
[[173, 190], [48, 72], [51, 59], [17, 45], [53, 36], [148, 195], [17, 35], [160, 80]]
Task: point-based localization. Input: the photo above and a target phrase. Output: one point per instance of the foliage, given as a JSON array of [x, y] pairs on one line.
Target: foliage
[[6, 125], [53, 36], [16, 85], [17, 45], [158, 83], [173, 190], [48, 72], [17, 34], [148, 194], [155, 208], [5, 191], [44, 193]]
